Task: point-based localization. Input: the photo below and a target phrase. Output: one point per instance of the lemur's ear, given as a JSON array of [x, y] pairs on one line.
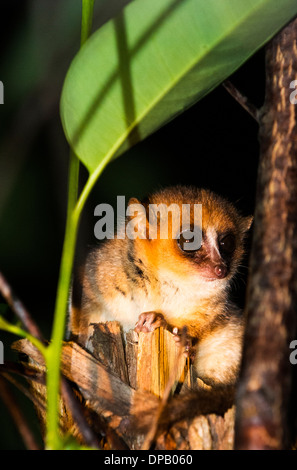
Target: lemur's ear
[[133, 200], [246, 223], [136, 219]]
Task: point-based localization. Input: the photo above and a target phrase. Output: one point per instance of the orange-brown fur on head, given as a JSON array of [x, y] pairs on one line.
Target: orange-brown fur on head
[[219, 218]]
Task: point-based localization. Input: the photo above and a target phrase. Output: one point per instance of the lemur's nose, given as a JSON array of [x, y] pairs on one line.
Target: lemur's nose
[[220, 271]]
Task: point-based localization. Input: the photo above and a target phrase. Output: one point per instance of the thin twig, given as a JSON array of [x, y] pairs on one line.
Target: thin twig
[[27, 372], [17, 416], [242, 100], [77, 415], [34, 377], [19, 309]]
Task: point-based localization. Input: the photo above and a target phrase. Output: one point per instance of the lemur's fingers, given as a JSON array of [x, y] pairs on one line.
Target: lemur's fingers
[[184, 341], [149, 321]]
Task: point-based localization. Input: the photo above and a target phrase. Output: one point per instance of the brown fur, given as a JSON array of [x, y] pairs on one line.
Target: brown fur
[[124, 278]]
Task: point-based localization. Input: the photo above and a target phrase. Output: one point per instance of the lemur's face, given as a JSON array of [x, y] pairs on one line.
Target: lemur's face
[[217, 255], [205, 249]]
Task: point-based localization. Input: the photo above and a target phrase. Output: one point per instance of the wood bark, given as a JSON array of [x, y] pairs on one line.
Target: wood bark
[[266, 379], [128, 398]]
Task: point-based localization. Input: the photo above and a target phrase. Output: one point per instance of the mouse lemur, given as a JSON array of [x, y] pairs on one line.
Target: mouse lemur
[[145, 282]]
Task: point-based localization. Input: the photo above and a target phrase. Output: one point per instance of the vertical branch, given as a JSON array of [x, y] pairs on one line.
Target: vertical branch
[[265, 383]]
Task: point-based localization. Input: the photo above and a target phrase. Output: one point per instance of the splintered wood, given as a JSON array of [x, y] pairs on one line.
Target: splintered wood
[[147, 361], [136, 390], [159, 361]]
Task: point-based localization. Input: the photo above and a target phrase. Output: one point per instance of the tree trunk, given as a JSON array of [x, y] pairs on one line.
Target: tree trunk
[[265, 384]]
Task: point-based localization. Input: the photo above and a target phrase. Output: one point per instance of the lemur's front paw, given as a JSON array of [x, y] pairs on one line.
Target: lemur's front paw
[[149, 321], [185, 341]]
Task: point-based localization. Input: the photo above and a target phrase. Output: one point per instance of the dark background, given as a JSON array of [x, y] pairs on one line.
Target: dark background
[[213, 145]]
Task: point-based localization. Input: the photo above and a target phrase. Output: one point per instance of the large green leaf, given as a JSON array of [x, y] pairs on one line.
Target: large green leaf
[[155, 60]]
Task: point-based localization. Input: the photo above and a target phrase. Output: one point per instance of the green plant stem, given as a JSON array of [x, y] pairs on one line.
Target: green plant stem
[[90, 184], [73, 179], [54, 350], [53, 353], [86, 20], [16, 330], [55, 347]]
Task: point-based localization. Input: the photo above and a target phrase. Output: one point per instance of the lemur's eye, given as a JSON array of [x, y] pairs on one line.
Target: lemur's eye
[[189, 241], [227, 244]]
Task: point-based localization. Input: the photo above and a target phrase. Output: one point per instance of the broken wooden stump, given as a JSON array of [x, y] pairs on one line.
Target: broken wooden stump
[[135, 386]]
